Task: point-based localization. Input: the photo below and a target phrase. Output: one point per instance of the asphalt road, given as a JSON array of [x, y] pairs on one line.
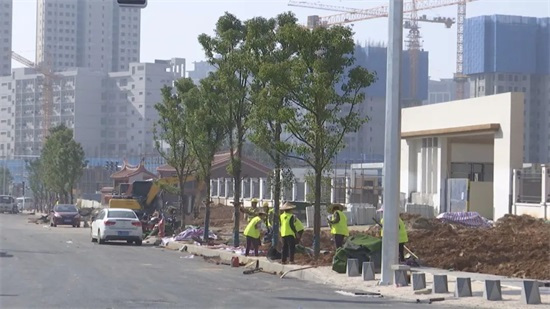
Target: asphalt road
[[43, 267]]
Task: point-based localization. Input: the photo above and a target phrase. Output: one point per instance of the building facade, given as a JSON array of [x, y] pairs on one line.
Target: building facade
[[200, 71], [510, 54], [112, 114], [94, 34], [443, 90], [6, 12]]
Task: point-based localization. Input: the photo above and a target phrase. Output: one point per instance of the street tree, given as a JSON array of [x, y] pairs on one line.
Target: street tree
[[324, 88], [36, 183], [6, 179], [63, 163], [270, 102], [227, 52], [171, 129], [207, 132]]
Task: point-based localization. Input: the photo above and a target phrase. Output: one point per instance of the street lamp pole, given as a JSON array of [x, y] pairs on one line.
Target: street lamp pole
[[392, 142]]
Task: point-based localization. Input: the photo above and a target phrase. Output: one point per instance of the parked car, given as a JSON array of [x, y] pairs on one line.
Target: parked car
[[8, 204], [65, 214], [116, 224]]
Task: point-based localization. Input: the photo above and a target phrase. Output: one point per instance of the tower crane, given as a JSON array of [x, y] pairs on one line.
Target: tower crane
[[47, 90], [353, 15]]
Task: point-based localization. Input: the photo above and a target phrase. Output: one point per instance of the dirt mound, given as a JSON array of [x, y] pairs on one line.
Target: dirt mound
[[518, 246], [220, 215]]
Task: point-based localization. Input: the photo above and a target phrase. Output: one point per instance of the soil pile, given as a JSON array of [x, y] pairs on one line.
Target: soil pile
[[518, 246], [220, 215]]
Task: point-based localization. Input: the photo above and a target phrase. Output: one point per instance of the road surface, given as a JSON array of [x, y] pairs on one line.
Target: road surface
[[43, 267]]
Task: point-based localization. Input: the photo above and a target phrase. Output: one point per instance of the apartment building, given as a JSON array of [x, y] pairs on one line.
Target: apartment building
[[97, 34], [510, 54], [443, 90], [6, 12]]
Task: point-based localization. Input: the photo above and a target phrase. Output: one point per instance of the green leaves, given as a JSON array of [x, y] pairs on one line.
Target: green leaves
[[61, 164]]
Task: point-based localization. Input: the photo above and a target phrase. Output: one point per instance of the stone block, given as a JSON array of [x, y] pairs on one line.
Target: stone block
[[400, 267], [368, 271], [440, 284], [400, 278], [492, 290], [530, 293], [352, 268], [418, 281], [463, 287]]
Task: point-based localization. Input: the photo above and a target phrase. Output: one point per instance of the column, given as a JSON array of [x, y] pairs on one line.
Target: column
[[212, 187], [517, 188], [242, 189], [294, 191], [251, 195], [305, 191], [219, 186], [261, 183], [545, 183], [332, 195], [348, 190], [226, 185], [443, 159]]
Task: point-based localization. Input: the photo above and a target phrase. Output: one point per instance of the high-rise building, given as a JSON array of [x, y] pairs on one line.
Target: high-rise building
[[443, 90], [6, 11], [111, 114], [97, 34], [510, 54], [367, 144]]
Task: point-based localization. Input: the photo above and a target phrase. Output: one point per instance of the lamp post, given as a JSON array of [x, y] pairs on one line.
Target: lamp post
[[392, 142]]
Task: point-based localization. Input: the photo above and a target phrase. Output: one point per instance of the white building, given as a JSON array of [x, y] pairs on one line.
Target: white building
[[6, 10], [128, 109], [438, 141], [201, 70], [94, 34], [112, 114]]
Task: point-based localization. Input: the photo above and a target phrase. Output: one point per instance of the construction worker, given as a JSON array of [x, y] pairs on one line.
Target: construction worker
[[299, 229], [403, 236], [251, 212], [288, 233], [253, 232], [338, 224], [268, 221]]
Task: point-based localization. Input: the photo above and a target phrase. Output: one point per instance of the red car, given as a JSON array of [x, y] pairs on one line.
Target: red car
[[65, 214]]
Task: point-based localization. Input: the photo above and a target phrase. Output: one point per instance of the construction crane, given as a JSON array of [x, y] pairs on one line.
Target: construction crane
[[47, 90], [383, 11]]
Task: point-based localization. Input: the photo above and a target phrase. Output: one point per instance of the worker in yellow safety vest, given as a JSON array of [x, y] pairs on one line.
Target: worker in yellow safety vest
[[299, 229], [338, 224], [251, 212], [403, 236], [288, 233], [253, 233]]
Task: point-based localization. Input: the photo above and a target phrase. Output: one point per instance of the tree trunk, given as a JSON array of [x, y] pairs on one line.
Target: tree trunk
[[71, 197], [182, 202], [276, 201], [317, 214], [207, 211]]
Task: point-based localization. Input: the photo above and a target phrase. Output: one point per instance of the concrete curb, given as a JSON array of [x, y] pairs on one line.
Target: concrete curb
[[264, 263]]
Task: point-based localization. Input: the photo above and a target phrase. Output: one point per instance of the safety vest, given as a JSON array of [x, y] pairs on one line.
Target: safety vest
[[340, 228], [403, 236], [298, 225], [251, 230], [285, 225], [269, 219]]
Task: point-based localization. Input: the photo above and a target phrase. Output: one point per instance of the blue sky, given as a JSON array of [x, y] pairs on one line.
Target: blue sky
[[169, 28]]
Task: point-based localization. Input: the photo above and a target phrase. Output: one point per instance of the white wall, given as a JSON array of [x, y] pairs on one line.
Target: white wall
[[504, 109], [471, 153]]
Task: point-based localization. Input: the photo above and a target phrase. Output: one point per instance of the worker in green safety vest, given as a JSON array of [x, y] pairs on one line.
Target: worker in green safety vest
[[403, 236], [288, 233], [299, 229], [253, 232], [338, 224]]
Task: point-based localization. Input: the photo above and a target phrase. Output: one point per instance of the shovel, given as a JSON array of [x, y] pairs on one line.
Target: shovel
[[415, 257]]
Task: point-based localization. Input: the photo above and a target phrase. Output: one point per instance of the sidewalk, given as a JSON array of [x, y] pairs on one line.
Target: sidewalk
[[511, 290]]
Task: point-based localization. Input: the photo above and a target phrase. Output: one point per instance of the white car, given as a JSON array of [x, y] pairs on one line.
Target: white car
[[117, 224], [7, 204]]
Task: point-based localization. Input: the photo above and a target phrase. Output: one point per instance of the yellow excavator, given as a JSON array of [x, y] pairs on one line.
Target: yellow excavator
[[143, 197]]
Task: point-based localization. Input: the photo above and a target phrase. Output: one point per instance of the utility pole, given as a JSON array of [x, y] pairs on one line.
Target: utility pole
[[392, 142]]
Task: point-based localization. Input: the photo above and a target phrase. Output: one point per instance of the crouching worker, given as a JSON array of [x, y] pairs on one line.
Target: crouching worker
[[253, 232], [299, 229]]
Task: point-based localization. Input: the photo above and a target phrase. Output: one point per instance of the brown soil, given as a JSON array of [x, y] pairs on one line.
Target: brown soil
[[220, 216], [518, 246]]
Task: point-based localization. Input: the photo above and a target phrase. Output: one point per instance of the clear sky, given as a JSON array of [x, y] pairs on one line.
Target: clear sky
[[169, 28]]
